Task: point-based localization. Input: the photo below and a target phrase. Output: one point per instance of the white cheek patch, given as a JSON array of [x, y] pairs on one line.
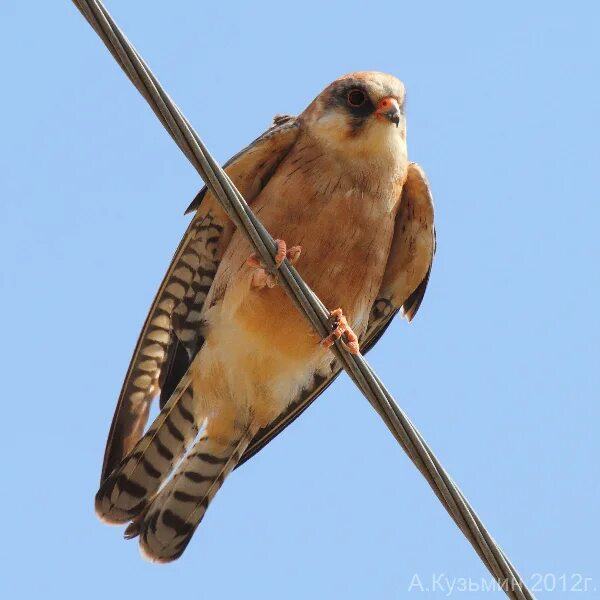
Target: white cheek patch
[[377, 140], [330, 128]]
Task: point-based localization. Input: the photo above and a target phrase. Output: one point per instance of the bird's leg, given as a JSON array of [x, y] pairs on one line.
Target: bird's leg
[[339, 325], [264, 276]]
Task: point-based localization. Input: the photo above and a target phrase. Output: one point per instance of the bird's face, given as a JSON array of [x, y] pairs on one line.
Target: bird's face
[[361, 116]]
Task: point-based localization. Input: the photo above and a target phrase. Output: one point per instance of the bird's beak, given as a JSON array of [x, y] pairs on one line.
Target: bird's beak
[[388, 108]]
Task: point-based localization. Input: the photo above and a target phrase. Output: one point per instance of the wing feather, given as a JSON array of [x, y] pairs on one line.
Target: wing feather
[[171, 334]]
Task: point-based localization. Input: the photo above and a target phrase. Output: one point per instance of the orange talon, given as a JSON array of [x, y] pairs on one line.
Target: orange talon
[[254, 261], [293, 254], [261, 278], [341, 327], [266, 277], [281, 252]]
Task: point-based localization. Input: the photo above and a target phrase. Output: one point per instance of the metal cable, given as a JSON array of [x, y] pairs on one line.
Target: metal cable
[[304, 298]]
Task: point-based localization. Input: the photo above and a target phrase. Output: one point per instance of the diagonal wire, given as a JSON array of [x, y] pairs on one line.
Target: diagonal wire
[[305, 300]]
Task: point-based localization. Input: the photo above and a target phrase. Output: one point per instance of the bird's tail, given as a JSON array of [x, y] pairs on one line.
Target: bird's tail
[[168, 524], [128, 490]]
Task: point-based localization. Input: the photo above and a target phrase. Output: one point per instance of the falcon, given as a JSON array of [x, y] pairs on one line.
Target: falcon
[[230, 357]]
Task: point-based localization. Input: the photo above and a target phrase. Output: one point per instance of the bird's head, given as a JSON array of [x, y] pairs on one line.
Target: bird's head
[[360, 115]]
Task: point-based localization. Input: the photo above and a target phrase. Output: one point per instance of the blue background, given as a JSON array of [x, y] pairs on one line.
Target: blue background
[[499, 371]]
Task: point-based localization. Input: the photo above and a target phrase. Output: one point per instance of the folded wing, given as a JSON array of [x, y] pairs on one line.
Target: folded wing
[[171, 334]]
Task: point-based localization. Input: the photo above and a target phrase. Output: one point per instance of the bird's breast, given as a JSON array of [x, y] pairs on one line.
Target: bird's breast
[[345, 228]]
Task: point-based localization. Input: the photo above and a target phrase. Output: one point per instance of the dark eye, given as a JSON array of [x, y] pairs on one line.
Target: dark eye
[[356, 98]]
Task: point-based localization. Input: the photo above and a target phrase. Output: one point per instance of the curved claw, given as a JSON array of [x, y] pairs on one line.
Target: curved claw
[[341, 327], [264, 276], [281, 252], [293, 254]]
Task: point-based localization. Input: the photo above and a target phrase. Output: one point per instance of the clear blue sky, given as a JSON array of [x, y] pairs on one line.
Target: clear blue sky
[[499, 371]]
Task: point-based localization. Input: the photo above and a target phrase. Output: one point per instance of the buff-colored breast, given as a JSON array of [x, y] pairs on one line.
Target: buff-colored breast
[[345, 226]]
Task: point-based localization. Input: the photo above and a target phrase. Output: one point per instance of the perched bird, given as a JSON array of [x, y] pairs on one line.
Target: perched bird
[[232, 358]]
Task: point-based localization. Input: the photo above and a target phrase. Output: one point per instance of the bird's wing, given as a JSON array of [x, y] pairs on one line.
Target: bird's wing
[[402, 290], [171, 336]]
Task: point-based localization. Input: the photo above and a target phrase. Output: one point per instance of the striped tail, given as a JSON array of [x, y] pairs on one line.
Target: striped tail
[[170, 521], [127, 491]]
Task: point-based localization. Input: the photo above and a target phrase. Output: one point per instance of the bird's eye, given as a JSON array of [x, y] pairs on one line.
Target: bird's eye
[[356, 98]]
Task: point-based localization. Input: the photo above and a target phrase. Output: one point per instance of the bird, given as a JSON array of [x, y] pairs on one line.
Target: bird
[[231, 358]]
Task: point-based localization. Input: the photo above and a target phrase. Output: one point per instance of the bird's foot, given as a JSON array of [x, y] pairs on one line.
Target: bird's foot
[[339, 326], [263, 276]]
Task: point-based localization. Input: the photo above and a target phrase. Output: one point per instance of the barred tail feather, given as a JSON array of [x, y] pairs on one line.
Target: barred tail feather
[[174, 515], [128, 490]]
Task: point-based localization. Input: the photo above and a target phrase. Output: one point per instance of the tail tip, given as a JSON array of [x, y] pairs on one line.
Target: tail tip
[[162, 555], [109, 513]]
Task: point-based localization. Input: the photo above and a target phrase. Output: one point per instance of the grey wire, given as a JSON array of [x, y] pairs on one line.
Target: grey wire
[[304, 298]]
